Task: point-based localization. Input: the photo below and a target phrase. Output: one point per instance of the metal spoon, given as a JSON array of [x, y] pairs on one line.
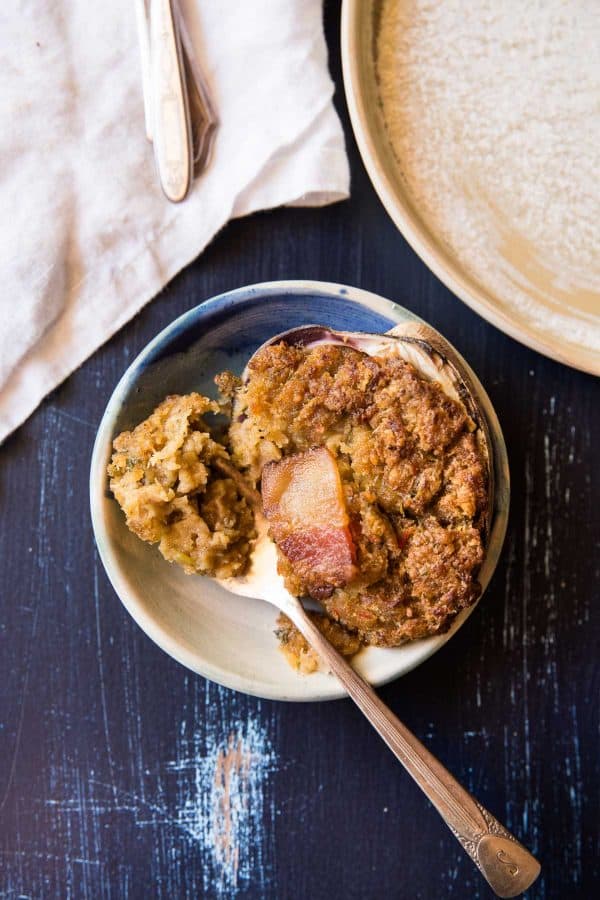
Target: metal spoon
[[179, 114], [508, 867]]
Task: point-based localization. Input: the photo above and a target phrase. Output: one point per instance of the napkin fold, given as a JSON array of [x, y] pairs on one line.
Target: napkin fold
[[87, 237]]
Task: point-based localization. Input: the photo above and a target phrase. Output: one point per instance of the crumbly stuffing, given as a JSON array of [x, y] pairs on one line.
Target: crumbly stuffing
[[300, 654], [413, 472], [162, 474], [227, 384]]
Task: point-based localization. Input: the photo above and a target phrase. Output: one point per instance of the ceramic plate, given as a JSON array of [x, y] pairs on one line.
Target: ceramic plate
[[522, 289], [226, 638]]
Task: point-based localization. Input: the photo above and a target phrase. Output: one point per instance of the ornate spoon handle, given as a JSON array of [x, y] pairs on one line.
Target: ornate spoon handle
[[508, 867]]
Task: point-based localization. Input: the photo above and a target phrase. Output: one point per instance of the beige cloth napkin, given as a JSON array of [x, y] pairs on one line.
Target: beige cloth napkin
[[86, 235]]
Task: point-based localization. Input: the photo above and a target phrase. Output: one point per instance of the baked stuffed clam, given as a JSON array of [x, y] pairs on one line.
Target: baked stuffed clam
[[376, 468]]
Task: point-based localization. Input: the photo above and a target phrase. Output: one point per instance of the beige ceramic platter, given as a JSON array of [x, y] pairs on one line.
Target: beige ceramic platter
[[558, 316]]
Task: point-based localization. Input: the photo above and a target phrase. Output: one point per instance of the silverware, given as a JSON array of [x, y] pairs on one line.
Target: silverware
[[179, 115], [171, 128], [508, 867], [203, 116]]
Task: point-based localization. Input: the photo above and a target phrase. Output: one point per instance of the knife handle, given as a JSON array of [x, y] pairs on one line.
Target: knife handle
[[170, 111]]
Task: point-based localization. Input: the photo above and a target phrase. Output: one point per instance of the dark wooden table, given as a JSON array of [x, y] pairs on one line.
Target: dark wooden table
[[124, 775]]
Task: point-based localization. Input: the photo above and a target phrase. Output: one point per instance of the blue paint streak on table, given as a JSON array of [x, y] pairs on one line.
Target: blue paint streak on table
[[123, 775]]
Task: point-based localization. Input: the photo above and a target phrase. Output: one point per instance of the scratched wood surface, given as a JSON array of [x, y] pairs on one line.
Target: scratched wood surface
[[124, 775]]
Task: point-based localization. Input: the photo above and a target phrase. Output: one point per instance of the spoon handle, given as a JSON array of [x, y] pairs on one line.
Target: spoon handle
[[170, 124], [508, 867]]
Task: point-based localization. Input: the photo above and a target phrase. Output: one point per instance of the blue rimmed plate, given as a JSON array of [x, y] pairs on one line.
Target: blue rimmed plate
[[226, 638]]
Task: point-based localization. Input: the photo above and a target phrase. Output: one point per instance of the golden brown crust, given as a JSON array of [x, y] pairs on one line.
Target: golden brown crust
[[413, 474]]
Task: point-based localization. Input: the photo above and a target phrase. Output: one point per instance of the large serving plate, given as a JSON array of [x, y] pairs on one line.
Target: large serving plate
[[227, 638], [556, 316]]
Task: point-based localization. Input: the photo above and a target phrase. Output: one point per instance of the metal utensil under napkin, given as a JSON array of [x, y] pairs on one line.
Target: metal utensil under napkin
[[180, 118]]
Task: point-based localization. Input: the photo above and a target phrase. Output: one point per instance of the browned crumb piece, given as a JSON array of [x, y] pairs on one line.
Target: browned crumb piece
[[298, 652], [464, 488], [227, 383], [162, 475]]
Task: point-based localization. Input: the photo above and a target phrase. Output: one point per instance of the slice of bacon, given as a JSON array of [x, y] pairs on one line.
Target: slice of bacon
[[304, 503]]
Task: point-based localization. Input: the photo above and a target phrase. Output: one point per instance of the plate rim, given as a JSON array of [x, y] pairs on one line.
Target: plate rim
[[581, 358], [122, 585]]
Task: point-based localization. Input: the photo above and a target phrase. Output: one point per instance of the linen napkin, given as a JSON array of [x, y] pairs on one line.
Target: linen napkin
[[86, 236]]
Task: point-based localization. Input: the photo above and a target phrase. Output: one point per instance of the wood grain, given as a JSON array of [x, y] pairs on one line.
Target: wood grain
[[118, 769]]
